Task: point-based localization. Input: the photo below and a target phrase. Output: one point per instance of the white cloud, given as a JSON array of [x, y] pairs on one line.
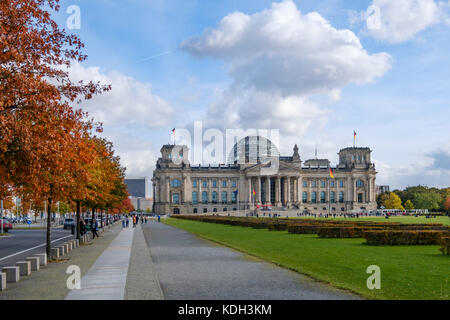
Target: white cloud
[[137, 155], [278, 58], [129, 103], [400, 20]]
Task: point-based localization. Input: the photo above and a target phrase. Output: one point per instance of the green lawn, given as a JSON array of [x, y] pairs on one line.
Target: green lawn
[[407, 272]]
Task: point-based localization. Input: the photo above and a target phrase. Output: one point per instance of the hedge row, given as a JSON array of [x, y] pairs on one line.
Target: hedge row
[[344, 232], [375, 233], [404, 237], [445, 245]]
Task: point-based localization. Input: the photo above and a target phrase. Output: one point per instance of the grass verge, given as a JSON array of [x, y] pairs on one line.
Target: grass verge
[[407, 272]]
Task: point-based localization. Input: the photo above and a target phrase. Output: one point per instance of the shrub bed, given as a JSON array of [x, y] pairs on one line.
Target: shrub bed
[[344, 232], [403, 237], [445, 245]]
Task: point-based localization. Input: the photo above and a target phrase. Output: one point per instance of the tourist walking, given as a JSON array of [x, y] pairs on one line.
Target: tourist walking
[[94, 227], [128, 221]]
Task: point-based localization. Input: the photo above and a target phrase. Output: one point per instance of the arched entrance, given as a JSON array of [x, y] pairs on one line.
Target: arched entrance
[[176, 210]]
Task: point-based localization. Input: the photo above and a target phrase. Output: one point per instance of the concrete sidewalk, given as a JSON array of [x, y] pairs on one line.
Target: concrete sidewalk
[[107, 278]]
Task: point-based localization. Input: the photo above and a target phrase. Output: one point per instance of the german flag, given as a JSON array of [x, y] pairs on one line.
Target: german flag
[[331, 174], [254, 192]]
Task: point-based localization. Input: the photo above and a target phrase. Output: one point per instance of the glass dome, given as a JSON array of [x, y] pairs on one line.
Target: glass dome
[[252, 150]]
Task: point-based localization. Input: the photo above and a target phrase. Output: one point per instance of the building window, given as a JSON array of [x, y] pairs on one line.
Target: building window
[[341, 197], [313, 183], [205, 197], [204, 184], [214, 209], [341, 183], [313, 197], [360, 197], [224, 197], [332, 197], [224, 209], [332, 183], [359, 184], [305, 184], [195, 210], [224, 183], [205, 210], [234, 183], [305, 197], [176, 198], [342, 209], [195, 197], [234, 209], [322, 197], [194, 183], [214, 184], [214, 197], [176, 183], [323, 183], [233, 197]]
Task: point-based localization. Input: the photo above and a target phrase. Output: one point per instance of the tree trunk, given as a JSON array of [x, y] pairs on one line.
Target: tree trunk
[[49, 227], [78, 219]]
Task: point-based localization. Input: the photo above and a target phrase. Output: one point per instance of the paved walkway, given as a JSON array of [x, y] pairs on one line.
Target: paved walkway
[[191, 268], [106, 279]]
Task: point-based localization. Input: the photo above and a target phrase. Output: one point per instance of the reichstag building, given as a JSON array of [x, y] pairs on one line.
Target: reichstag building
[[257, 176]]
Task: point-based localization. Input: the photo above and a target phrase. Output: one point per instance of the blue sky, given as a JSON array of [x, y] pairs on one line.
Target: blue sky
[[167, 70]]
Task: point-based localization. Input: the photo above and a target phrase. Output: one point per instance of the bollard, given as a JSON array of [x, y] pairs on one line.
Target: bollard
[[76, 243], [42, 259], [55, 253], [24, 267], [12, 274], [67, 247], [34, 263], [62, 250], [2, 281]]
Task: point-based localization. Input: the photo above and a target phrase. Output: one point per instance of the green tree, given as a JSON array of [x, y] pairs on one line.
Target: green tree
[[430, 200], [381, 198], [393, 202], [409, 205]]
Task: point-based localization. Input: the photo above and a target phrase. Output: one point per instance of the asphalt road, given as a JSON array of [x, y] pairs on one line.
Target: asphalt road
[[17, 246], [189, 267]]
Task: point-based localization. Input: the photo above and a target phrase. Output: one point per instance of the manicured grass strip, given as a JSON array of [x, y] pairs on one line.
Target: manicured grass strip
[[407, 272]]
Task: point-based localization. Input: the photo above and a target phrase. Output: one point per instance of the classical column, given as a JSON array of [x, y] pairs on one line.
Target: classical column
[[268, 191], [300, 190], [167, 189], [278, 191], [249, 188], [288, 191], [258, 190]]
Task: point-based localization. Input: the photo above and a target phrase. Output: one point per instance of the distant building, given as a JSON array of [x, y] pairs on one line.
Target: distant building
[[139, 192], [382, 189], [141, 204], [179, 187]]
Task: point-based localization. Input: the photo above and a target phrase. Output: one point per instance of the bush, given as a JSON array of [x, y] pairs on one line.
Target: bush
[[344, 232], [302, 229], [445, 245], [403, 237]]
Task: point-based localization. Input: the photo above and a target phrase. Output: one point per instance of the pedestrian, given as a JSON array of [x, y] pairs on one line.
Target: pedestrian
[[94, 227], [134, 221], [128, 221], [142, 219], [123, 223], [159, 218]]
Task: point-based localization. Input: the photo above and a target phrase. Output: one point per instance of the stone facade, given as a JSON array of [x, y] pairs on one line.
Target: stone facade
[[179, 188]]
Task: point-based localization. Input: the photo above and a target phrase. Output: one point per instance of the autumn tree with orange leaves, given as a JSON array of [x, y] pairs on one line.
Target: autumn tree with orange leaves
[[47, 148]]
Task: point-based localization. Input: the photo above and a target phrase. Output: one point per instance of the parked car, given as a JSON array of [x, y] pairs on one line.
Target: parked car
[[68, 223], [6, 225]]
